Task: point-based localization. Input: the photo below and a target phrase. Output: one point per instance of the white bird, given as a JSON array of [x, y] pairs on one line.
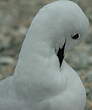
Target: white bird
[[42, 79]]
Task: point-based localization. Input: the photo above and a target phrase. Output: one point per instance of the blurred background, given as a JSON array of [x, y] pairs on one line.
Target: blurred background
[[16, 17]]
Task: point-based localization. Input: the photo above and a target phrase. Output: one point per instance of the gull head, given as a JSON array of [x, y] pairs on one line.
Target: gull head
[[56, 28], [60, 25]]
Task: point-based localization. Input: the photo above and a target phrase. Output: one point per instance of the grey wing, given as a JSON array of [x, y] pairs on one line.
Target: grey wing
[[8, 98]]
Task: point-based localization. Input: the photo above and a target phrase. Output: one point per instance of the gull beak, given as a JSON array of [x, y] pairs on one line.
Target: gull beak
[[60, 54]]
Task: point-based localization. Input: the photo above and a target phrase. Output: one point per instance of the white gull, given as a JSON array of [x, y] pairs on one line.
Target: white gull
[[42, 79]]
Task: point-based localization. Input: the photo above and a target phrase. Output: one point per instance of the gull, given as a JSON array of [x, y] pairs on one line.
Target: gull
[[43, 80]]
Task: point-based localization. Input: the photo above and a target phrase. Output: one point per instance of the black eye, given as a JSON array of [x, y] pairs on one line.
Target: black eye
[[76, 36]]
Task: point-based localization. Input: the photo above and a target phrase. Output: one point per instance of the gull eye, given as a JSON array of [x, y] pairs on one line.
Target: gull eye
[[76, 36]]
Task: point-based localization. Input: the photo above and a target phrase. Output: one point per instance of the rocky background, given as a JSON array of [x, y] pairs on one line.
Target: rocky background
[[15, 18]]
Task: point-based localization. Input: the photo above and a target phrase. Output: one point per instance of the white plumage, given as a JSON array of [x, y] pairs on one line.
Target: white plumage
[[39, 82]]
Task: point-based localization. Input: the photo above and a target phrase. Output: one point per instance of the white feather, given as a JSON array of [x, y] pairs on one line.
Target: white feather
[[39, 83]]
